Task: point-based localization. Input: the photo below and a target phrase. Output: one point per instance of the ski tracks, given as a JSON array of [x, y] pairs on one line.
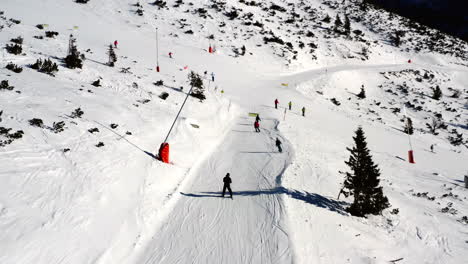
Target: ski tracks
[[203, 227]]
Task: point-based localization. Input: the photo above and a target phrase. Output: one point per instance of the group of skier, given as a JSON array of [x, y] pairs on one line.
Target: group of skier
[[290, 106]]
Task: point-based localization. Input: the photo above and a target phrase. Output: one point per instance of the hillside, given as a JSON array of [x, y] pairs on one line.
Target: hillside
[[79, 178]]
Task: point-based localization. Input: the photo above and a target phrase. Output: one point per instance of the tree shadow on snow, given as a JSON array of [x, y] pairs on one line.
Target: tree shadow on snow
[[310, 198]]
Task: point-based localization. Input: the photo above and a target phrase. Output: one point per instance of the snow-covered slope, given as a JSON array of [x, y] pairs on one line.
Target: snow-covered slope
[[63, 199]]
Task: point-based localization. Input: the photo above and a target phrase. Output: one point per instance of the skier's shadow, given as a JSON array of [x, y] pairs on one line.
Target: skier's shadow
[[310, 198]]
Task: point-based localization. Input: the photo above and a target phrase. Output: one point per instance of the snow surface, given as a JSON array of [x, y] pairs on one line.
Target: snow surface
[[116, 204]]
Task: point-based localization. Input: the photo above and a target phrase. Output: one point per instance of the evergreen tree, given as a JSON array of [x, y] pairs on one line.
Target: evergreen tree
[[73, 58], [347, 25], [112, 56], [437, 93], [397, 38], [327, 19], [338, 23], [362, 93], [409, 126], [196, 82], [363, 181]]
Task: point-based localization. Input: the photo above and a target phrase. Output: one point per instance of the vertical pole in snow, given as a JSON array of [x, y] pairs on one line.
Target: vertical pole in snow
[[157, 51], [410, 152], [284, 117]]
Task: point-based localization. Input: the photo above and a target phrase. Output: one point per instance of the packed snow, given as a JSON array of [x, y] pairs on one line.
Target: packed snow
[[84, 186]]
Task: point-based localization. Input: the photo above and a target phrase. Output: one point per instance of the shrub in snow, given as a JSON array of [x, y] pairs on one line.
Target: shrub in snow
[[139, 12], [82, 1], [362, 93], [36, 122], [65, 150], [436, 93], [4, 85], [159, 3], [93, 130], [16, 21], [13, 67], [97, 83], [58, 127], [77, 113], [100, 144], [435, 124], [159, 83], [113, 126], [164, 95], [336, 102], [327, 19], [196, 82], [456, 94], [40, 26], [14, 49], [457, 139], [45, 66], [51, 34], [363, 181], [18, 40], [409, 126], [17, 135]]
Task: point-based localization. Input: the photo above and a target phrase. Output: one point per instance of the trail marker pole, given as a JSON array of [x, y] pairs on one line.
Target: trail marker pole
[[410, 152], [157, 51], [284, 117]]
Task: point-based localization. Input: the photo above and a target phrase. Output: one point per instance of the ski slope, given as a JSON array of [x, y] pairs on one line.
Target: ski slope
[[203, 227], [117, 204]]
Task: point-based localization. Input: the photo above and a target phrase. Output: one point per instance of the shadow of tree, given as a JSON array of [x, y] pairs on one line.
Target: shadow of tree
[[310, 198]]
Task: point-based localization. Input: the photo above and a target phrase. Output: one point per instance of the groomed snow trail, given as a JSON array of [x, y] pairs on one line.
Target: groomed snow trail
[[205, 228]]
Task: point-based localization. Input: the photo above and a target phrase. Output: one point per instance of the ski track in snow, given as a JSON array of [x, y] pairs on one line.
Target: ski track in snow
[[247, 229]]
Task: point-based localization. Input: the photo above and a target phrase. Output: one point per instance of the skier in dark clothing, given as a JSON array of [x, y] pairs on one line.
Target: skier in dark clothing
[[278, 144], [257, 126], [257, 118], [227, 184], [276, 103], [303, 111]]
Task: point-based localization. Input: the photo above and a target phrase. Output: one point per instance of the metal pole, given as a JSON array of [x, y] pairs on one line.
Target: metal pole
[[178, 114], [406, 122], [157, 48]]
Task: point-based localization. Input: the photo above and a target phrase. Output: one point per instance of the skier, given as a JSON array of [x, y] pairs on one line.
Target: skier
[[303, 111], [257, 126], [290, 105], [278, 144], [276, 103], [227, 184], [212, 76], [432, 148], [116, 43], [170, 55], [257, 118]]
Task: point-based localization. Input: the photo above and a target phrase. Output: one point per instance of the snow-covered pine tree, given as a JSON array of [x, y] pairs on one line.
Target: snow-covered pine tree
[[196, 82], [112, 56], [409, 126], [363, 180], [73, 59]]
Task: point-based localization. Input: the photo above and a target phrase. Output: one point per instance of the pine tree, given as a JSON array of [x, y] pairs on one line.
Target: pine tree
[[362, 93], [363, 181], [327, 19], [409, 126], [338, 23], [347, 25], [196, 82], [112, 56], [73, 57], [437, 93]]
